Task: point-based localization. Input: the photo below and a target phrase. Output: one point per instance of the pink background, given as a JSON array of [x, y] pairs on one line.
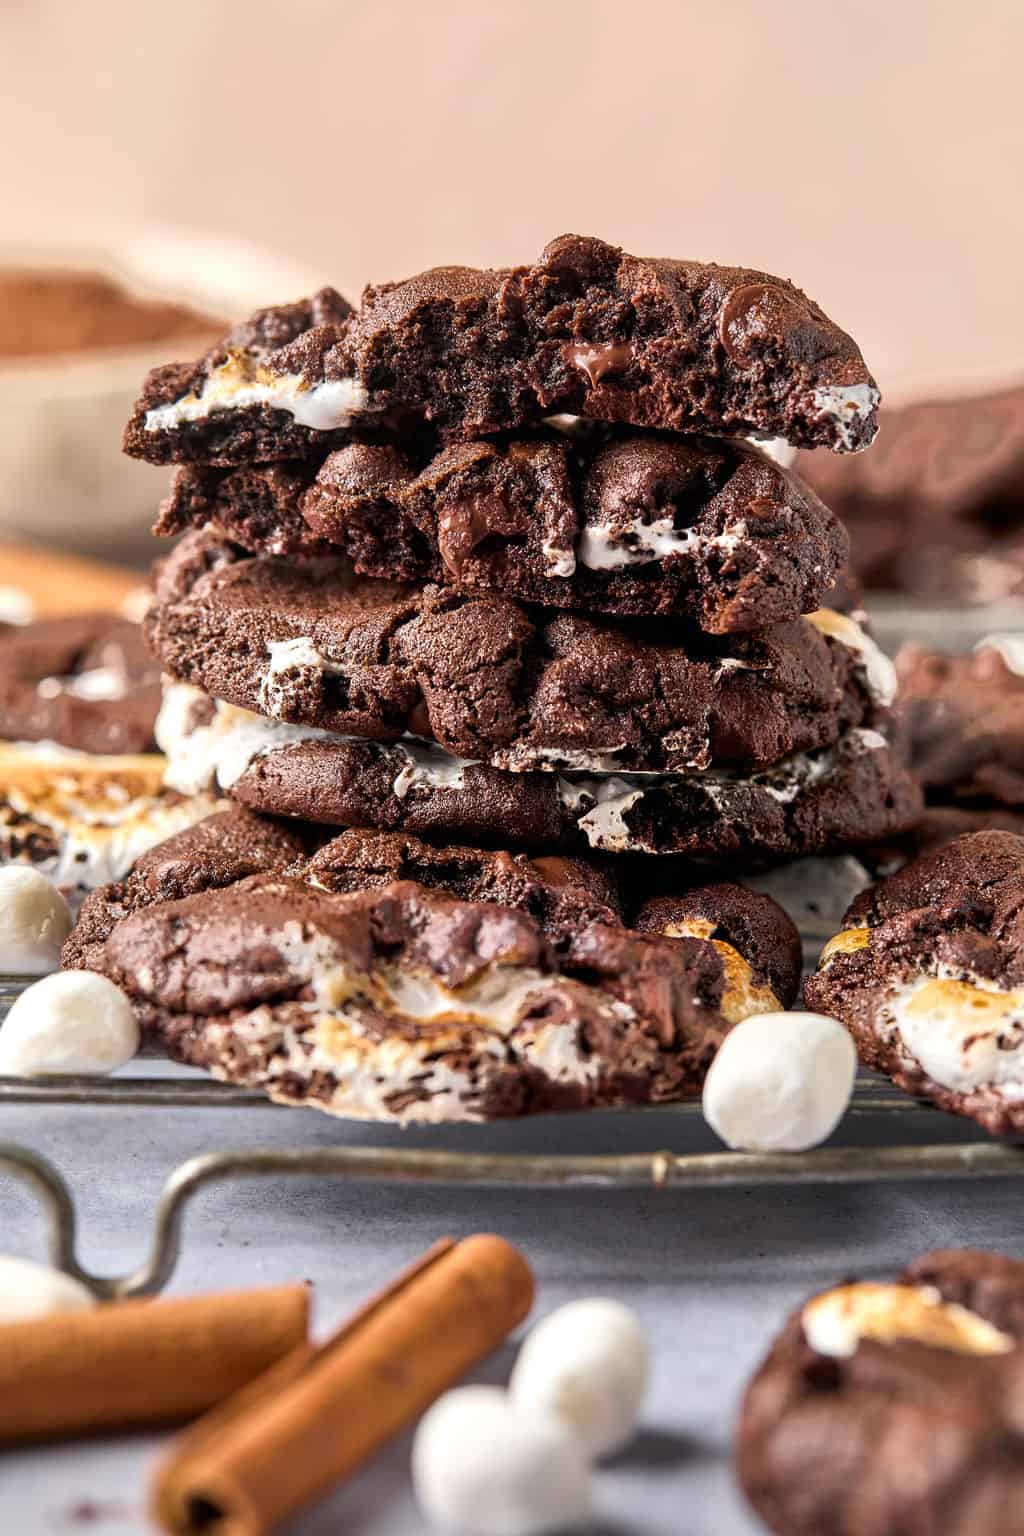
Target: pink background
[[871, 151]]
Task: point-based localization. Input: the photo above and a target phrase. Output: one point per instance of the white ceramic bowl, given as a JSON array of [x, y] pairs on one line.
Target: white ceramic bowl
[[65, 480]]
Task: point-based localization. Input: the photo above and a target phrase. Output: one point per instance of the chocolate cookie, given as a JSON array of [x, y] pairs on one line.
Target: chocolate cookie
[[886, 1410], [832, 798], [490, 680], [401, 1003], [928, 976], [86, 682], [624, 522], [84, 820], [734, 919], [937, 509], [758, 943], [562, 894], [963, 717], [218, 851], [588, 330]]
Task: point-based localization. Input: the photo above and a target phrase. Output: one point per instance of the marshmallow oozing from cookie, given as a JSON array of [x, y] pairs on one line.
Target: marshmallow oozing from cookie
[[927, 975]]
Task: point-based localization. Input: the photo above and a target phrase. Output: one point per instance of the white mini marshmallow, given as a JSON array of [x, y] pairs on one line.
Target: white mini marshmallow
[[481, 1463], [74, 1021], [29, 1290], [587, 1363], [781, 1082], [34, 922]]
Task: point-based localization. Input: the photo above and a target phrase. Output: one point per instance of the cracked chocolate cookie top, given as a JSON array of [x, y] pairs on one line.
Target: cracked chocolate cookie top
[[491, 680], [600, 519], [86, 682], [928, 974], [563, 895], [587, 330], [886, 1408], [403, 1002]]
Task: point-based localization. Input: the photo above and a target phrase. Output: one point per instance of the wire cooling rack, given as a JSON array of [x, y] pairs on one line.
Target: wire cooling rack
[[904, 1157], [906, 1154]]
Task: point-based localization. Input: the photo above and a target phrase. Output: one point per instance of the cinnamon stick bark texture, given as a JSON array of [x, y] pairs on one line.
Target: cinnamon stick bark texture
[[134, 1363], [317, 1416]]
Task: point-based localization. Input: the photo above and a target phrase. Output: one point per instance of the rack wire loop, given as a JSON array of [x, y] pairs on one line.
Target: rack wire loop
[[695, 1170]]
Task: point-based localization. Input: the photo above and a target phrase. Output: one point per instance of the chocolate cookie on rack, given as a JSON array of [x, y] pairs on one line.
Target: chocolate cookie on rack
[[885, 1408], [403, 1003], [219, 850], [587, 329], [759, 943], [928, 975]]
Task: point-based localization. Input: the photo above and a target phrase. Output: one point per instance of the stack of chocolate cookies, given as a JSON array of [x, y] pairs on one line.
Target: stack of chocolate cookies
[[491, 562]]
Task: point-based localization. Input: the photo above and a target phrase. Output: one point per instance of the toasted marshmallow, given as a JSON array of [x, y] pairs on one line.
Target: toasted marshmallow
[[84, 819], [781, 1082], [836, 1322], [966, 1032], [847, 942], [743, 996]]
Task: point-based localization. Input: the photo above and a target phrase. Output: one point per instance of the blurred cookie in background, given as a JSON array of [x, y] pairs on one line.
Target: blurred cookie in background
[[885, 1408], [936, 509], [82, 819], [87, 682], [962, 718]]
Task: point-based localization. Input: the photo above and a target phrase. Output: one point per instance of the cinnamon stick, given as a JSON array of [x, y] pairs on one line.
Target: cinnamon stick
[[133, 1363], [318, 1415]]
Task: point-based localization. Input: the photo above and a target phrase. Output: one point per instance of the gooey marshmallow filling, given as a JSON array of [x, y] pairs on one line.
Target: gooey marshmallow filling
[[241, 381], [965, 1033], [605, 547], [835, 1323], [846, 406]]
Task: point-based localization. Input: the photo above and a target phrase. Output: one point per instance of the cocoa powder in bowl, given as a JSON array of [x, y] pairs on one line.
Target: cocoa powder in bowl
[[46, 312]]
